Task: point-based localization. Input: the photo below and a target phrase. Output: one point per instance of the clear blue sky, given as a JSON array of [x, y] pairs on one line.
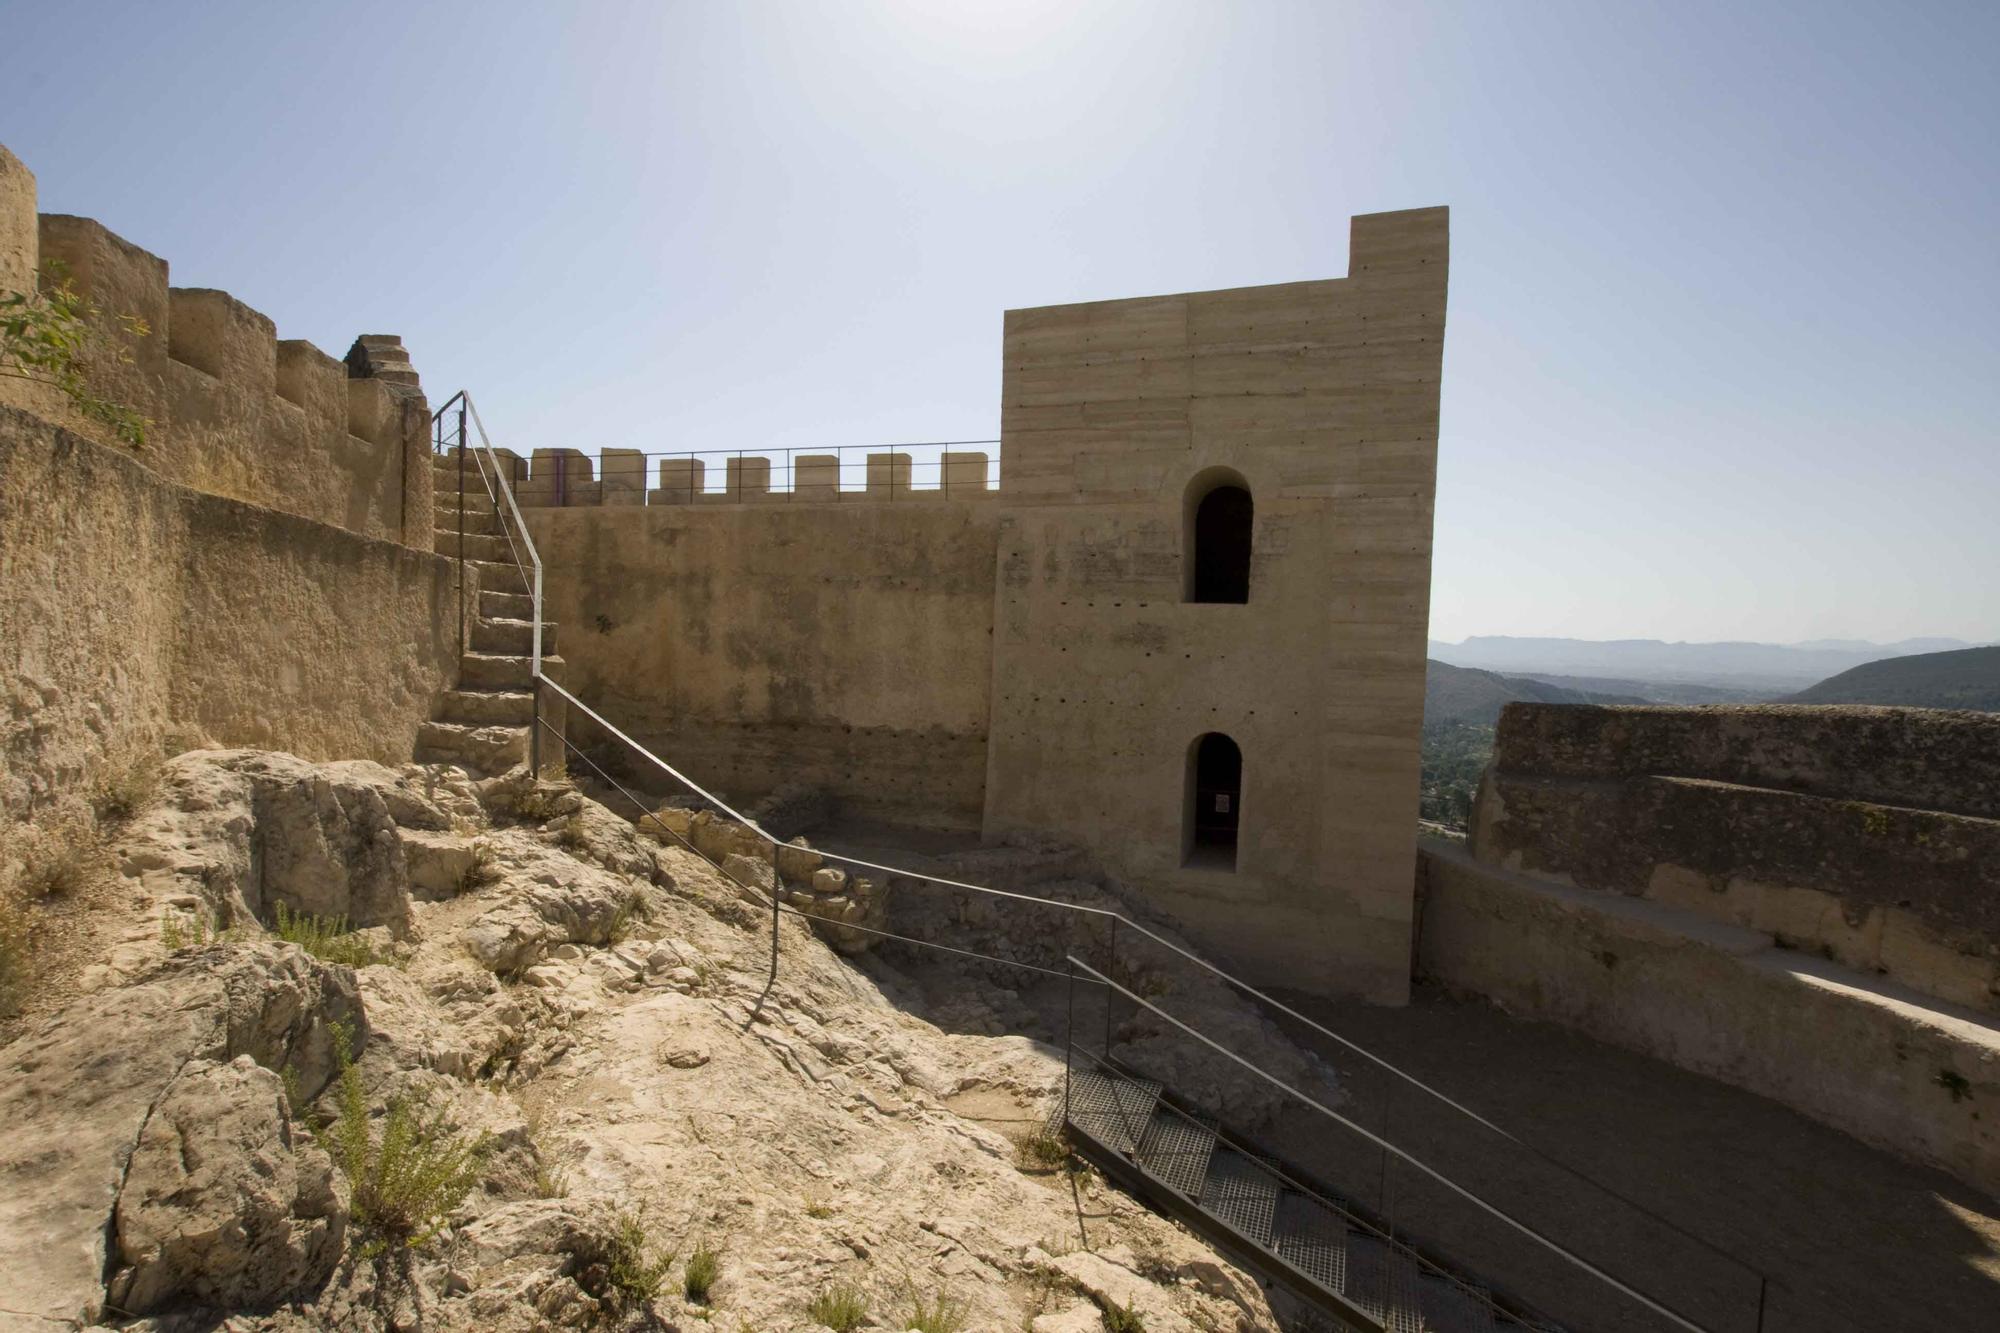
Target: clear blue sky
[[1724, 347]]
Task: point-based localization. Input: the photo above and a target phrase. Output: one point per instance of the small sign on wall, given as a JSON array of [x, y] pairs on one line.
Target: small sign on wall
[[1222, 803]]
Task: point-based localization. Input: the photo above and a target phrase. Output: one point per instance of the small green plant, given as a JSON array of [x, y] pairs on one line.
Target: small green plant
[[326, 938], [573, 835], [551, 1177], [183, 932], [632, 910], [537, 804], [843, 1308], [44, 335], [482, 870], [295, 1093], [409, 1180], [633, 1264], [703, 1267], [1042, 1151], [54, 857], [1120, 1318], [819, 1205], [936, 1313], [124, 793]]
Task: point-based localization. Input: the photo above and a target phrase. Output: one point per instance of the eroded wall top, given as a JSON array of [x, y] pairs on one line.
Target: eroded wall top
[[235, 411]]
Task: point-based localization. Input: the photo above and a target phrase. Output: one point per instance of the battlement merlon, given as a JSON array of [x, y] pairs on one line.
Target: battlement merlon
[[233, 410]]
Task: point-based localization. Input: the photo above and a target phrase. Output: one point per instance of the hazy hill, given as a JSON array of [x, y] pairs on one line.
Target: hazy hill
[[1769, 668], [1475, 698], [1966, 678], [1653, 691]]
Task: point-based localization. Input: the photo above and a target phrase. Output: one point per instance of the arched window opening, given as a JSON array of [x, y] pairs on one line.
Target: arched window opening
[[1215, 802], [1219, 511]]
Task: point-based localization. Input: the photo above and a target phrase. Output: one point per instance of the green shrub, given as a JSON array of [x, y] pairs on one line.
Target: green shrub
[[408, 1181], [55, 856], [573, 835], [327, 938], [633, 1266], [46, 337], [703, 1267], [1121, 1318], [632, 910], [180, 931], [124, 793], [482, 871], [936, 1313], [1042, 1151], [843, 1308]]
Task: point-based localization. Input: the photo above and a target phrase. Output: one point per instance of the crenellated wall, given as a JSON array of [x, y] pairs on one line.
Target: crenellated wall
[[235, 410], [258, 573], [566, 479]]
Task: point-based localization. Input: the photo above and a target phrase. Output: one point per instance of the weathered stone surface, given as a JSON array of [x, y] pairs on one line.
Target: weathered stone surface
[[224, 1204], [76, 1090], [1796, 820]]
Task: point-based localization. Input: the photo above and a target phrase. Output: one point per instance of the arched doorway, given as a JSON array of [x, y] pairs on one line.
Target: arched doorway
[[1218, 514], [1214, 802]]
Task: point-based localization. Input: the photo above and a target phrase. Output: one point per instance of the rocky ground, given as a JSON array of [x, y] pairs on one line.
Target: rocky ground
[[593, 1014]]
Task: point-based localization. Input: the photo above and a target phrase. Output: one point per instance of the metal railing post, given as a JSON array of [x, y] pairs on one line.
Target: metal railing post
[[1069, 1040], [535, 731], [777, 888], [1110, 966], [462, 643]]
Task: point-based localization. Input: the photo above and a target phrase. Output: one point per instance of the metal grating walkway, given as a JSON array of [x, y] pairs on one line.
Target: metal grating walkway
[[1354, 1271]]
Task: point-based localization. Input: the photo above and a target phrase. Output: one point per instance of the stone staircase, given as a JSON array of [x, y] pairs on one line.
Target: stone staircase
[[484, 726], [1360, 1275]]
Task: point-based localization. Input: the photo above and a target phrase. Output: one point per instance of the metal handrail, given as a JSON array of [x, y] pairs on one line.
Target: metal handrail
[[1378, 1141], [1116, 918]]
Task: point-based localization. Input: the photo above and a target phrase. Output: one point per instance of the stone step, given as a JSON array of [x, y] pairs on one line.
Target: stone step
[[475, 524], [477, 499], [497, 577], [487, 547], [506, 605], [483, 747], [507, 708], [503, 637], [494, 671]]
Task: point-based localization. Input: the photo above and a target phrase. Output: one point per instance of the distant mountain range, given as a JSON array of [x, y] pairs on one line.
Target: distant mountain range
[[1744, 670], [1475, 698], [1965, 678]]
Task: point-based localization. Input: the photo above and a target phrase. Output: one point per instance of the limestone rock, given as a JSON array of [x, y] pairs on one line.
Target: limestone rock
[[798, 863], [223, 1204], [76, 1090], [437, 862], [749, 875]]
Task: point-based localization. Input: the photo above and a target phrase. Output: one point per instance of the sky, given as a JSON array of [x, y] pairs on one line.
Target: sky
[[1723, 346]]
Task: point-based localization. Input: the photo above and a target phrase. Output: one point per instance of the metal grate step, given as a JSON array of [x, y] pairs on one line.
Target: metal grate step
[[1384, 1283], [1451, 1307], [1242, 1192], [1111, 1109], [1176, 1149], [1313, 1239]]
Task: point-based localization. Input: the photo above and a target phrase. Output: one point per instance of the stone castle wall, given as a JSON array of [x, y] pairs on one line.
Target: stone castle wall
[[236, 412], [1021, 659], [259, 573], [843, 647], [1869, 836]]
